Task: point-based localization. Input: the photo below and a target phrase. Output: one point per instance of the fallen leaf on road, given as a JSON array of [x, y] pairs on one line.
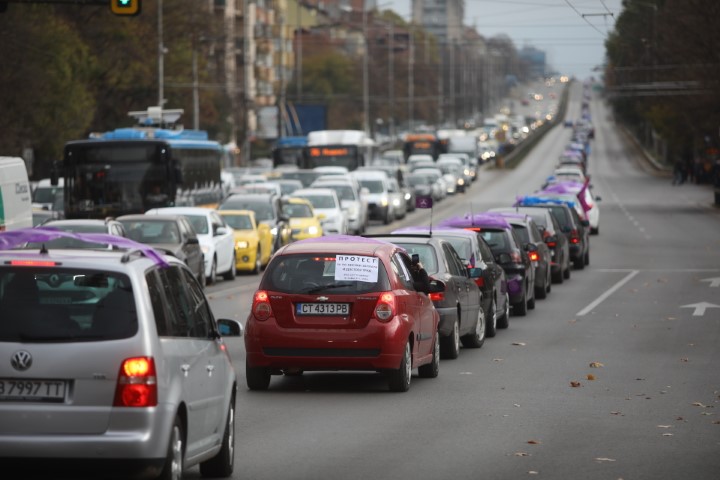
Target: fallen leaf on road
[[705, 413], [519, 344], [603, 459], [615, 413], [575, 384], [533, 442], [716, 422], [590, 376], [668, 434], [522, 454], [516, 405], [497, 359], [596, 365], [698, 404], [664, 426], [532, 472], [685, 360]]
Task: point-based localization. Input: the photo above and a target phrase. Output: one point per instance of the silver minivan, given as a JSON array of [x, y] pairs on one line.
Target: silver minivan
[[111, 362]]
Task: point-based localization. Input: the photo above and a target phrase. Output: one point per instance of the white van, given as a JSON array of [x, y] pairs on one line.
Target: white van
[[47, 196], [15, 201]]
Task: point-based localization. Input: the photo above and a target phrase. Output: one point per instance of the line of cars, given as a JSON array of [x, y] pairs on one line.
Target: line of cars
[[344, 302]]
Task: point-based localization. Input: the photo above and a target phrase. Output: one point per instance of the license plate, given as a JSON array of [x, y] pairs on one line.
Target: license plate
[[32, 390], [322, 309]]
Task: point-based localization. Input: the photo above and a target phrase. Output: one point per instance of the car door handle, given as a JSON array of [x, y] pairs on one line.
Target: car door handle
[[185, 367], [210, 369]]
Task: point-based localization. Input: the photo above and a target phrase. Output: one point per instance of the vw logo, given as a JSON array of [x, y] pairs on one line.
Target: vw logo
[[21, 360]]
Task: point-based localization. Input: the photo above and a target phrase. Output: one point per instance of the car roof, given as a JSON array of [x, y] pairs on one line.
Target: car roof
[[314, 191], [150, 218], [180, 210], [446, 231], [237, 212], [339, 244]]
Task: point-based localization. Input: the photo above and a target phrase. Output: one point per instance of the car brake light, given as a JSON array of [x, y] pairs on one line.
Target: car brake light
[[515, 257], [261, 305], [33, 263], [479, 281], [137, 383], [385, 307], [473, 229], [436, 296], [574, 237], [534, 256]]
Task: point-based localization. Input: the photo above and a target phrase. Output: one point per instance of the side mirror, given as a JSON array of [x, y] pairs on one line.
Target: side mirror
[[475, 272], [585, 223], [229, 328], [436, 286], [321, 216], [284, 218], [192, 241], [530, 247], [220, 231]]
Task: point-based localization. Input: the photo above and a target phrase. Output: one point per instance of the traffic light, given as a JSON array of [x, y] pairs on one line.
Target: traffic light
[[125, 7]]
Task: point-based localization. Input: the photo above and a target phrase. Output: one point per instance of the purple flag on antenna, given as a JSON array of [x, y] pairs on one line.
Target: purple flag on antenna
[[423, 202]]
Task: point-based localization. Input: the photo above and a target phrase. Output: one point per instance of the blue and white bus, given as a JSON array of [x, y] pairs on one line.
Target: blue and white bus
[[130, 170]]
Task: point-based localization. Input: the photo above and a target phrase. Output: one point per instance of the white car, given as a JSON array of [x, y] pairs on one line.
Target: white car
[[326, 203], [348, 191], [215, 236]]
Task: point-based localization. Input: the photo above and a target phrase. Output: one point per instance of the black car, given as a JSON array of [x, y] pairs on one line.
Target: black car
[[172, 234], [509, 254], [529, 234], [476, 254], [552, 235], [462, 318], [268, 210]]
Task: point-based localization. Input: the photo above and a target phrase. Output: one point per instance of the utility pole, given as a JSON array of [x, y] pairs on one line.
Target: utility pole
[[161, 55], [411, 81], [366, 86], [391, 80]]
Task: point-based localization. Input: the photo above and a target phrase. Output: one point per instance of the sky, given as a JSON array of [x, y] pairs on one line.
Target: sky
[[571, 32]]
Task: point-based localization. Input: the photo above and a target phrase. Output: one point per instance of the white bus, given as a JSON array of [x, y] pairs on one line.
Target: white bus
[[338, 148]]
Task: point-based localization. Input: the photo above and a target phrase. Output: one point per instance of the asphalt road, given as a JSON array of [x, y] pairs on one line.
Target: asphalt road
[[613, 376]]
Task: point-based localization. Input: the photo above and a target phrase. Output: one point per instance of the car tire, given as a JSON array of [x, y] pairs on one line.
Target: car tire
[[587, 257], [567, 272], [174, 461], [399, 380], [201, 274], [558, 276], [432, 369], [212, 279], [258, 261], [579, 263], [232, 273], [257, 378], [477, 337], [520, 308], [450, 345], [504, 319], [531, 302], [491, 320], [541, 291], [223, 464]]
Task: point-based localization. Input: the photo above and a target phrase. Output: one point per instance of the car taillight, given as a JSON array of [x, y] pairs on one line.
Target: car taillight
[[137, 383], [534, 256], [261, 305], [574, 237], [479, 281], [436, 296], [385, 307]]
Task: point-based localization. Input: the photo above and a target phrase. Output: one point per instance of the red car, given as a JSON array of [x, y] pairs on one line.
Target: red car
[[342, 303]]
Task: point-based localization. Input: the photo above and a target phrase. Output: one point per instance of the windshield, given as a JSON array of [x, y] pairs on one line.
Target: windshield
[[239, 222], [199, 223], [295, 210], [373, 186], [320, 201], [263, 209], [152, 231], [48, 195]]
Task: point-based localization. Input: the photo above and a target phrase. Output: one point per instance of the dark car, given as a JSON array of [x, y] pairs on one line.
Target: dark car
[[576, 230], [268, 210], [172, 234], [530, 235], [508, 252], [483, 269], [552, 234], [423, 186], [462, 318], [81, 225], [342, 303]]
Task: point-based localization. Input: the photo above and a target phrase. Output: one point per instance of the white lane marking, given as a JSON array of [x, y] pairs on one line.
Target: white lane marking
[[609, 292]]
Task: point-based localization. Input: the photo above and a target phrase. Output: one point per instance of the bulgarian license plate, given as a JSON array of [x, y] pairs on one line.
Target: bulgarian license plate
[[322, 309], [32, 390]]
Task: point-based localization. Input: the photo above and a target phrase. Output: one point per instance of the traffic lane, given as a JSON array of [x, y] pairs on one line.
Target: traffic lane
[[483, 410]]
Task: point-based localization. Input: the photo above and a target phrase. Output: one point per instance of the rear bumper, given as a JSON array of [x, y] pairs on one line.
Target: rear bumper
[[376, 346]]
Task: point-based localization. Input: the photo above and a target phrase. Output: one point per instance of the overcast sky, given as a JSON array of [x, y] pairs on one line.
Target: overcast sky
[[571, 32]]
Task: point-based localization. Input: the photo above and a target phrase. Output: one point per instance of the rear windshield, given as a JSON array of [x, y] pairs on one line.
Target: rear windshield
[[561, 214], [463, 246], [152, 231], [499, 240], [425, 252], [65, 305], [313, 274], [522, 233]]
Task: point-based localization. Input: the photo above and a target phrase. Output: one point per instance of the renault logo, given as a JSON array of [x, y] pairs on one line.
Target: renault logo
[[21, 360]]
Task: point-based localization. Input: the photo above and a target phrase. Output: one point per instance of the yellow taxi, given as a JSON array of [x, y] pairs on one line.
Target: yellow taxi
[[304, 223], [253, 240]]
